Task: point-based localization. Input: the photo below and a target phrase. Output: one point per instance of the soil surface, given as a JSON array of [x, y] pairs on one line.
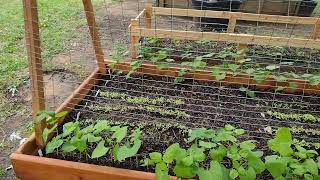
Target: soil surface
[[201, 104]]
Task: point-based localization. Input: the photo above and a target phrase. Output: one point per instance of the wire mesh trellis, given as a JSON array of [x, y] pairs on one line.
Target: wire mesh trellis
[[186, 68]]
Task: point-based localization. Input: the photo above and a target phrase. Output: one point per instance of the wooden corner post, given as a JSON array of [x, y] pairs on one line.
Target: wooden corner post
[[88, 8], [134, 38], [148, 15], [31, 23], [316, 30]]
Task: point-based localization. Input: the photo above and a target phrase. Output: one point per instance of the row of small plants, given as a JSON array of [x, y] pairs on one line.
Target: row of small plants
[[141, 100], [294, 116], [151, 109], [163, 59], [210, 154]]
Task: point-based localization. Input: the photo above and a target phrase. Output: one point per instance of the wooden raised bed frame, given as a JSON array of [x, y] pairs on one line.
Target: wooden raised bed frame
[[28, 166]]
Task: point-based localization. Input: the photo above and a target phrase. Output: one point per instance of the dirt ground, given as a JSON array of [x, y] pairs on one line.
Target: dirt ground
[[68, 72]]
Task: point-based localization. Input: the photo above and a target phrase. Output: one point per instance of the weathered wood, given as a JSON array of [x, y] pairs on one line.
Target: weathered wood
[[88, 8], [134, 38], [232, 24], [31, 22], [316, 30], [28, 167], [29, 146], [239, 79], [228, 37], [242, 49], [238, 15], [148, 15]]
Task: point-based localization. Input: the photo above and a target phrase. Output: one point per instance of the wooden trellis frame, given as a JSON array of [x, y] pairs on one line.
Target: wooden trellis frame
[[230, 36], [28, 166]]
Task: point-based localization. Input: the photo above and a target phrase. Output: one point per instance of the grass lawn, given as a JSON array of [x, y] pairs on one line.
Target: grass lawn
[[59, 20], [316, 11]]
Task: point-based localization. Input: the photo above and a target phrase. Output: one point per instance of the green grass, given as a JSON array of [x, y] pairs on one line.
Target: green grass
[[316, 11], [60, 21]]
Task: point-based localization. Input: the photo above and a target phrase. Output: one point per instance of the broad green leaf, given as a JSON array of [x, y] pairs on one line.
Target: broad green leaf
[[88, 129], [80, 144], [68, 147], [239, 131], [156, 157], [122, 152], [293, 85], [218, 154], [311, 166], [185, 171], [309, 177], [161, 171], [275, 165], [187, 161], [281, 78], [229, 127], [120, 133], [233, 174], [46, 132], [256, 163], [69, 127], [92, 138], [55, 143], [282, 143], [207, 145], [260, 77], [248, 174], [249, 145], [200, 133], [204, 174], [61, 114], [233, 67], [250, 71], [100, 150], [101, 126], [171, 153]]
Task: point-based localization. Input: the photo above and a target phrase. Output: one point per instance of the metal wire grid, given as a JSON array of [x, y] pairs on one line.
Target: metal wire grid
[[209, 104]]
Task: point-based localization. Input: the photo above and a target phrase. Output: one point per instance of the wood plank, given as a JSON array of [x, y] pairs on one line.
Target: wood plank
[[134, 25], [29, 146], [316, 30], [232, 24], [205, 75], [28, 167], [148, 15], [238, 15], [88, 8], [228, 37], [31, 22]]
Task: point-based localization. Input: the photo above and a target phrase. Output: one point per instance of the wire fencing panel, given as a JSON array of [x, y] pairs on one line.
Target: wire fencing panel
[[168, 71]]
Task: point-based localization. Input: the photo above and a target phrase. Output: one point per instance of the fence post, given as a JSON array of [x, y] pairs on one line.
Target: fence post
[[88, 8], [148, 15], [316, 30], [134, 38], [31, 23]]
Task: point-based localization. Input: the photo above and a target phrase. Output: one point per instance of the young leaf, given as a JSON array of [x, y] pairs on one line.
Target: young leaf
[[68, 147], [272, 67], [120, 133], [69, 127], [276, 165], [101, 126], [61, 114], [185, 171], [156, 157], [233, 174], [162, 66], [92, 138], [47, 131], [171, 153], [161, 171], [55, 143], [100, 150], [80, 144], [311, 166], [120, 153], [282, 143], [233, 67], [293, 85], [218, 154], [281, 78], [207, 145]]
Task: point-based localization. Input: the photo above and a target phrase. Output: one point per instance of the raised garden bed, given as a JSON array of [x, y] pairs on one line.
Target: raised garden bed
[[171, 114]]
